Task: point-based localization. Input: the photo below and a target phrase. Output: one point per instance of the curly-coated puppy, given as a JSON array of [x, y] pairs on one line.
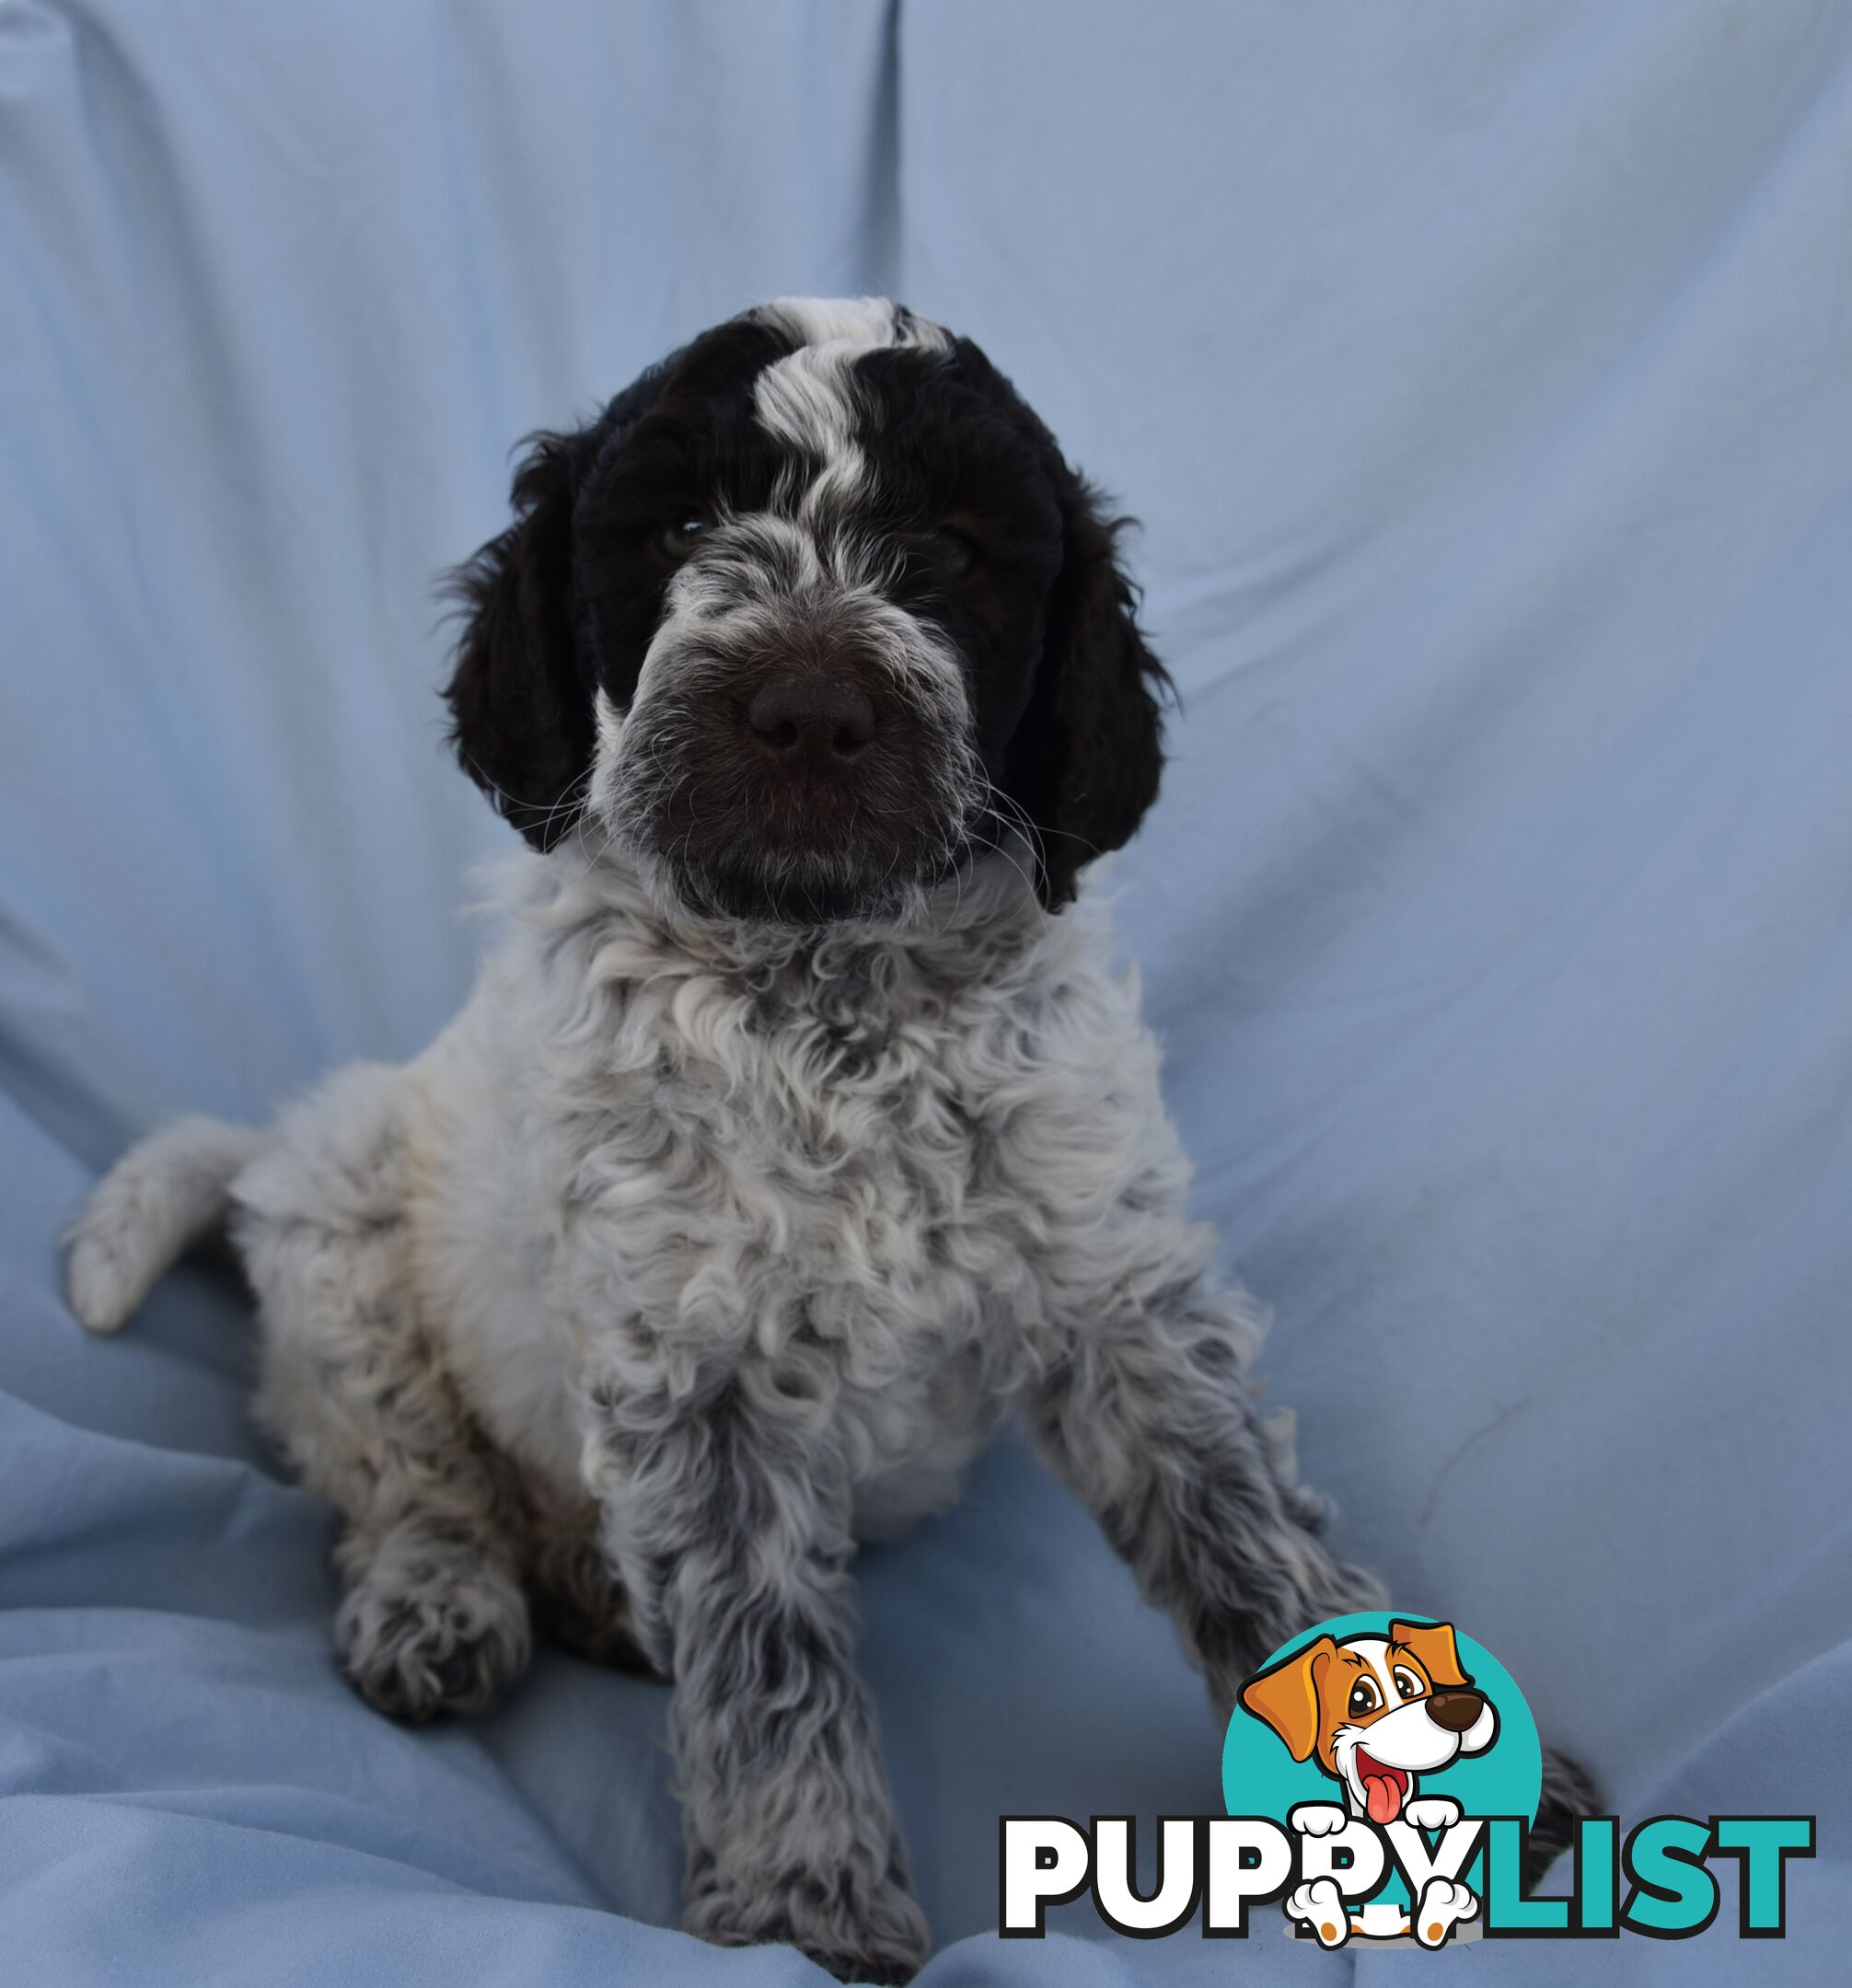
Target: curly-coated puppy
[[796, 1130]]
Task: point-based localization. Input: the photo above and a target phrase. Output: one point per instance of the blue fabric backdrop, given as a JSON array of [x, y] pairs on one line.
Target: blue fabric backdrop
[[1481, 376]]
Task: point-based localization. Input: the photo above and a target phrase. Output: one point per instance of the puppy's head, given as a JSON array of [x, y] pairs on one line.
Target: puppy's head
[[1375, 1711], [808, 617]]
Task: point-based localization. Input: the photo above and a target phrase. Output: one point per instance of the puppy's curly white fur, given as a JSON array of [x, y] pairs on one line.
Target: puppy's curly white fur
[[797, 1129]]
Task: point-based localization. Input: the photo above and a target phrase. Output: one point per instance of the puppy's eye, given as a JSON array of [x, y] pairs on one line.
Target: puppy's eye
[[678, 540], [1406, 1682], [1364, 1698], [955, 551]]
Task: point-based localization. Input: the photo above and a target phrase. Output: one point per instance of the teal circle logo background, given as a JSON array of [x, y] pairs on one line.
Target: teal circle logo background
[[1259, 1777]]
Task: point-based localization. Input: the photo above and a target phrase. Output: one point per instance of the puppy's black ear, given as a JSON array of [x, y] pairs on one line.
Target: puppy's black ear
[[521, 694], [1086, 757]]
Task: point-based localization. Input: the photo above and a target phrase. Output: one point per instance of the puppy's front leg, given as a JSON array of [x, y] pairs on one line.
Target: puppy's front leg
[[729, 1525], [1146, 1408]]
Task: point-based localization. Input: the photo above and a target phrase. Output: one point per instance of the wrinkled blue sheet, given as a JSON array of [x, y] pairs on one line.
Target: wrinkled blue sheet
[[1480, 376]]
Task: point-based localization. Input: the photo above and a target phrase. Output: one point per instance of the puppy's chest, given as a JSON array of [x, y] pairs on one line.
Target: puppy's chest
[[804, 1168]]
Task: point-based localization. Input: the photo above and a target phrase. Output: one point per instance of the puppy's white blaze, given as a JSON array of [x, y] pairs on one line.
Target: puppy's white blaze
[[806, 401], [829, 321], [870, 321]]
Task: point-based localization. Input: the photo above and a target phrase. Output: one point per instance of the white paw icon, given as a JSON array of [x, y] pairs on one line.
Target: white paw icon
[[1444, 1904], [1317, 1818], [1432, 1812], [1320, 1905]]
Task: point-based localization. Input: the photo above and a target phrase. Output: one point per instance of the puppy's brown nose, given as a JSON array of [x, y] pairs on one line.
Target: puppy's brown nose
[[810, 725], [1455, 1711]]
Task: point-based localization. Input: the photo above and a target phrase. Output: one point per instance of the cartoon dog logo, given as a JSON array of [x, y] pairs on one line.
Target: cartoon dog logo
[[1374, 1712]]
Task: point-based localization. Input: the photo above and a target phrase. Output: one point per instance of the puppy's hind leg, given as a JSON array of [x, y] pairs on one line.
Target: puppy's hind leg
[[354, 1385], [579, 1603]]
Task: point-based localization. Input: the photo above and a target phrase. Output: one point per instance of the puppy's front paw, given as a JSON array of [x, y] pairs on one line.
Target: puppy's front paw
[[1317, 1818], [1444, 1904], [1320, 1905], [420, 1635], [854, 1927], [1432, 1812]]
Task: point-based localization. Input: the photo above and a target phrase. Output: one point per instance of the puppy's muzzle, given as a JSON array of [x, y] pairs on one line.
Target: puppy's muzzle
[[811, 728]]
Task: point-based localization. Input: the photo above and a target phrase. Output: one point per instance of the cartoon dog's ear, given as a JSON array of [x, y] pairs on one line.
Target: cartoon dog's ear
[[1286, 1696], [1435, 1649], [1086, 757]]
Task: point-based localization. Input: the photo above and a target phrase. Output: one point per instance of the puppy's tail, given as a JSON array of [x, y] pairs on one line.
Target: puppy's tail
[[159, 1198]]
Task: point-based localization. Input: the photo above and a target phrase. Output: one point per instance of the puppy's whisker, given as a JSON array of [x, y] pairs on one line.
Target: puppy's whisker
[[1028, 882]]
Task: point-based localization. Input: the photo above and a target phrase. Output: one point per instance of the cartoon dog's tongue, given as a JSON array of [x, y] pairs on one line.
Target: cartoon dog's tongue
[[1382, 1788]]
